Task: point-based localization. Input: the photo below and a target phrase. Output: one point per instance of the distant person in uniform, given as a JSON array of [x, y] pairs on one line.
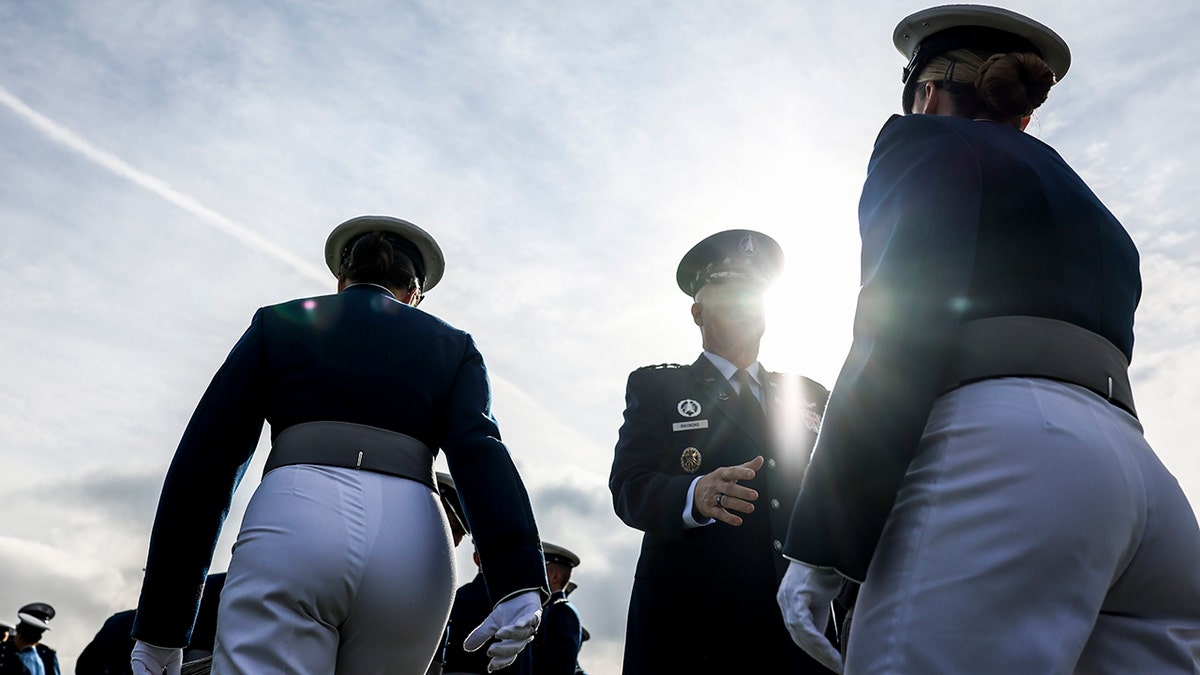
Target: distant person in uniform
[[709, 458], [472, 602], [555, 648], [453, 507], [1000, 504], [344, 559], [585, 637], [110, 650], [459, 529], [23, 652]]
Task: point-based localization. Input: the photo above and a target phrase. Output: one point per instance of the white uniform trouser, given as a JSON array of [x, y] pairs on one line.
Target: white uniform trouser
[[1037, 533], [336, 571]]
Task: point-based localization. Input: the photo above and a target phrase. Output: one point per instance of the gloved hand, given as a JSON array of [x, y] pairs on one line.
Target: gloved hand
[[804, 596], [513, 623], [146, 659]]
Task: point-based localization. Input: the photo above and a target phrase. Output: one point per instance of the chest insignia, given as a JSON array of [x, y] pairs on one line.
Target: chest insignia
[[690, 425], [690, 460], [688, 407]]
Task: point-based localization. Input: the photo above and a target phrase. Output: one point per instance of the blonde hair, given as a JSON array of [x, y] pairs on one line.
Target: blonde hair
[[1000, 87]]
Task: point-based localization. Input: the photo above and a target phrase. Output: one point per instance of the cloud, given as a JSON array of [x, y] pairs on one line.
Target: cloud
[[114, 164], [168, 170]]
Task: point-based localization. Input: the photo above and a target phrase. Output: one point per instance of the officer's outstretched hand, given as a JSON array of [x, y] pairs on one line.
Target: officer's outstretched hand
[[718, 494], [513, 623], [805, 596], [146, 659]]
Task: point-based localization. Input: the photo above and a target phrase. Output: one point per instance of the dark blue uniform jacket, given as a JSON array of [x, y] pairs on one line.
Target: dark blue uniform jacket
[[362, 357], [555, 648], [960, 220], [682, 575]]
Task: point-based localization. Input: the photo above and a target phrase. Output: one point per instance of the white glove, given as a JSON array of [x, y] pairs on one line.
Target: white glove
[[804, 596], [146, 659], [513, 623]]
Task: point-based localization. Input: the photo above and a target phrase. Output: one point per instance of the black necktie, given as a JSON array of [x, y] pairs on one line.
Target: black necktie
[[748, 406]]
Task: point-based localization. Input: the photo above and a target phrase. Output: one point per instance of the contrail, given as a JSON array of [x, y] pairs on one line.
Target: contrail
[[72, 141]]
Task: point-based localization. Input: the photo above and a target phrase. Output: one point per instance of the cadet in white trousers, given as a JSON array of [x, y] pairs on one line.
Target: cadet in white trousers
[[344, 562], [980, 467]]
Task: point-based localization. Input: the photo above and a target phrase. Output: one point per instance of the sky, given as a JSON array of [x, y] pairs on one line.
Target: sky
[[168, 168]]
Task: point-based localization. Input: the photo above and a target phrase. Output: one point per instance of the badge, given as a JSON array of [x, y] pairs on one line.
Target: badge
[[690, 460], [812, 421], [748, 245], [689, 425], [688, 408], [724, 396]]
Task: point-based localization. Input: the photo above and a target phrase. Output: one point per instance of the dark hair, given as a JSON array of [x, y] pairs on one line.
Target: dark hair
[[1000, 87], [380, 258], [30, 632], [1014, 85]]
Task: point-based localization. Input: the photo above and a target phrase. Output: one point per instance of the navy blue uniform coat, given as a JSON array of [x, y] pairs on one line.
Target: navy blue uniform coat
[[960, 220], [362, 357], [555, 649], [703, 599]]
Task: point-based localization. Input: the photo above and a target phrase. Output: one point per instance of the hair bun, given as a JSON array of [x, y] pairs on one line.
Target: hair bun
[[1014, 84]]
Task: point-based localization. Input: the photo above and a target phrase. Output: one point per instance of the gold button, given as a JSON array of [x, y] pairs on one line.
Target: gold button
[[775, 504], [778, 545], [770, 463]]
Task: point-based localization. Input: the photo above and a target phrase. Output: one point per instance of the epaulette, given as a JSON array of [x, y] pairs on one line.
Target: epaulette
[[663, 366]]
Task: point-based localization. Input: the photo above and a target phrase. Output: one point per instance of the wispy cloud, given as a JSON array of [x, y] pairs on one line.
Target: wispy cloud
[[110, 162]]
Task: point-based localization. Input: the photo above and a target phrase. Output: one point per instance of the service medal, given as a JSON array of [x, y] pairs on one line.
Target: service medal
[[690, 460]]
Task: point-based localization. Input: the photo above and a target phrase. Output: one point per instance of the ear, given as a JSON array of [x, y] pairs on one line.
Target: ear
[[932, 98], [341, 282], [698, 313], [1025, 122], [411, 298]]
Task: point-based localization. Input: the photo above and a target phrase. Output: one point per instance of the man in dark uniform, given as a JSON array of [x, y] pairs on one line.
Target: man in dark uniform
[[23, 653], [709, 457], [555, 648], [109, 651]]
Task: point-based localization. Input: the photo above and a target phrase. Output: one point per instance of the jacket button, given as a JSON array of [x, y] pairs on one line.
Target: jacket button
[[771, 463], [775, 504], [778, 545]]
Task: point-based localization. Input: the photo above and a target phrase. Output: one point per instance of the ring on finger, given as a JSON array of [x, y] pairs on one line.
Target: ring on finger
[[720, 496]]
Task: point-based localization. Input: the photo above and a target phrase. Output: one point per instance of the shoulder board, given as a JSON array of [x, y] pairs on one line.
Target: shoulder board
[[663, 366], [810, 383]]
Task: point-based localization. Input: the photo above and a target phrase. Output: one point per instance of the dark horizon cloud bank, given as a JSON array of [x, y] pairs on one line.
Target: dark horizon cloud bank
[[167, 169]]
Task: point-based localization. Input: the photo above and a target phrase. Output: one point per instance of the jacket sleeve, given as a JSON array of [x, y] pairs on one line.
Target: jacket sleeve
[[495, 501], [918, 216], [208, 465], [645, 495]]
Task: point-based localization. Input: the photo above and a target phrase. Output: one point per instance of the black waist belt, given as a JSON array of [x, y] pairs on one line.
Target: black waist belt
[[353, 446], [1028, 346]]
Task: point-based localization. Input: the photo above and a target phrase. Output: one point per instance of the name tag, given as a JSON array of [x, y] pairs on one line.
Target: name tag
[[689, 425]]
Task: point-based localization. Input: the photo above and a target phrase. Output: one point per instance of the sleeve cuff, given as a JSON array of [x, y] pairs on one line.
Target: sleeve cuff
[[689, 522]]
